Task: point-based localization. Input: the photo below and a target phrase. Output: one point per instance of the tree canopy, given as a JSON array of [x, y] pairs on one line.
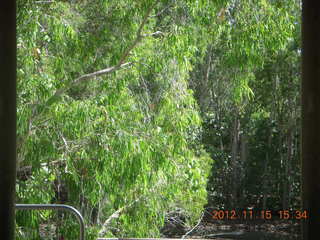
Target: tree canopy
[[127, 108]]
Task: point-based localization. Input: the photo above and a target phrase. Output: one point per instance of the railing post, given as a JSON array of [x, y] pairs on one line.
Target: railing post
[[56, 207]]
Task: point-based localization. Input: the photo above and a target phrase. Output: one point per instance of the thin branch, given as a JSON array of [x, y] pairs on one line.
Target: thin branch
[[138, 35], [183, 237], [64, 141], [157, 33], [55, 162], [49, 1], [115, 215], [85, 77], [162, 11]]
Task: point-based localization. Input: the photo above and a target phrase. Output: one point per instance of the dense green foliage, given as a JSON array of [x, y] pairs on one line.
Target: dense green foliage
[[119, 140], [126, 145], [249, 98]]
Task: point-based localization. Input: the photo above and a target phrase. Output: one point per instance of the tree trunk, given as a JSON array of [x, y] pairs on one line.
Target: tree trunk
[[204, 88], [288, 177], [266, 175], [235, 161], [243, 160]]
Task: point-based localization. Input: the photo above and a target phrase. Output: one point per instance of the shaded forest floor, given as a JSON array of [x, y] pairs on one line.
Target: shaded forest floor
[[281, 228], [235, 229]]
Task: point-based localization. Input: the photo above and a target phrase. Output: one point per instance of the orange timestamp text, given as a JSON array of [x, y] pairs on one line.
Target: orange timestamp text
[[259, 214]]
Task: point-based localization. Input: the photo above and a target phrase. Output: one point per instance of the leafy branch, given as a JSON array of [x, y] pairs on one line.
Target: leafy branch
[[38, 108], [120, 211], [113, 216]]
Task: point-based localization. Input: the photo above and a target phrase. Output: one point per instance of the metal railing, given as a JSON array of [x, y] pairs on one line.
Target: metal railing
[[56, 207]]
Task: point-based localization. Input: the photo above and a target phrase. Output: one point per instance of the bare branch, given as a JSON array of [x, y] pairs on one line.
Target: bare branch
[[64, 141], [192, 229], [99, 73], [55, 162], [157, 33], [138, 35], [115, 215], [88, 76], [49, 1], [162, 11]]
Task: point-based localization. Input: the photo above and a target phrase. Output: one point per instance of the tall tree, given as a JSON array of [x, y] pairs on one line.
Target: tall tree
[[106, 118]]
